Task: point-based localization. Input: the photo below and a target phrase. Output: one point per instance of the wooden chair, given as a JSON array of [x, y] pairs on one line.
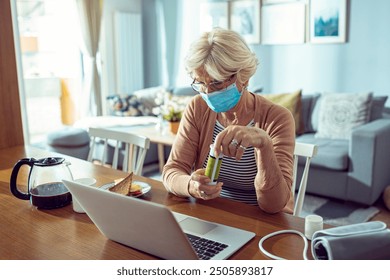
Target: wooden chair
[[136, 147], [308, 151]]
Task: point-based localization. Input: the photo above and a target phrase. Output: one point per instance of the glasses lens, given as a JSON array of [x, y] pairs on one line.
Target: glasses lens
[[197, 86]]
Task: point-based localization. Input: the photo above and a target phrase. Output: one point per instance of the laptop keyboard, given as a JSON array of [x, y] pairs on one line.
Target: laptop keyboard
[[205, 248]]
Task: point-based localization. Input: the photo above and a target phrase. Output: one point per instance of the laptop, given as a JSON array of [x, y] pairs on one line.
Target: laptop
[[154, 229]]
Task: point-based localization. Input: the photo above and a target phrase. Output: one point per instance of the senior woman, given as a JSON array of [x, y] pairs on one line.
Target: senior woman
[[255, 135]]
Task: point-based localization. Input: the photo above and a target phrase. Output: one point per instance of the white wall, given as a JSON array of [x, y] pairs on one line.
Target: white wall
[[361, 64]]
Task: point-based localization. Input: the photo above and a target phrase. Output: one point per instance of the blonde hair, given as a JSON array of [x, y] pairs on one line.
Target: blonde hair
[[222, 53]]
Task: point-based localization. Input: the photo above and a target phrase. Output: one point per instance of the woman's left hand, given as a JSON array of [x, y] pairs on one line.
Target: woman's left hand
[[199, 186], [235, 139]]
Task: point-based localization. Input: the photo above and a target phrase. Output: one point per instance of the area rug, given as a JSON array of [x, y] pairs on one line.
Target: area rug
[[336, 212]]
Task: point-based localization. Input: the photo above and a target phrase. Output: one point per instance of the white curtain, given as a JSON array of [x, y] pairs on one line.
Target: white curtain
[[162, 49], [181, 27], [90, 13], [190, 31]]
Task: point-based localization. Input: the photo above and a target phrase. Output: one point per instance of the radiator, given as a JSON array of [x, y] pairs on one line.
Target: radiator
[[128, 52]]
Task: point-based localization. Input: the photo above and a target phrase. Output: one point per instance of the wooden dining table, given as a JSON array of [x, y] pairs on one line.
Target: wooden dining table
[[62, 234]]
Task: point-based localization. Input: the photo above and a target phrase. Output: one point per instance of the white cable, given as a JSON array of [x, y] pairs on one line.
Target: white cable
[[268, 254]]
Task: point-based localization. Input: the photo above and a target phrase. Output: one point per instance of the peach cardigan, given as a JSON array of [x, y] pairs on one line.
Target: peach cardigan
[[191, 147]]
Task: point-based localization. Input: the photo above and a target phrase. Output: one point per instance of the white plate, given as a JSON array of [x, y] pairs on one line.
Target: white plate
[[145, 187]]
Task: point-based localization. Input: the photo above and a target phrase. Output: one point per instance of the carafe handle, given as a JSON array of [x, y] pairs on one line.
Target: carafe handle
[[14, 175]]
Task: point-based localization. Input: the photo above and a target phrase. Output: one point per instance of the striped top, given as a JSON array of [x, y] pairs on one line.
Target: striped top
[[237, 176]]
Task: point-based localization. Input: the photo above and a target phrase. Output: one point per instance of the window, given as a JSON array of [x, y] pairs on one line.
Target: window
[[52, 63]]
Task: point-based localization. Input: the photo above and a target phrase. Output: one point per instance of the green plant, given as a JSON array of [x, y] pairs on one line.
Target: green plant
[[172, 114], [171, 107]]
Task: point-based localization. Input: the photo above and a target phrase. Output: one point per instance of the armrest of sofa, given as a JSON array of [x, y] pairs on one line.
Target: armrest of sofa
[[369, 153]]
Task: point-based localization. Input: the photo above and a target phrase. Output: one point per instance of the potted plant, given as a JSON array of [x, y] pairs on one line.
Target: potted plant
[[170, 109], [172, 112]]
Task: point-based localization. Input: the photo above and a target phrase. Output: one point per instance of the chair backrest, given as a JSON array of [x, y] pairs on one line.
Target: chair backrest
[[308, 151], [136, 147]]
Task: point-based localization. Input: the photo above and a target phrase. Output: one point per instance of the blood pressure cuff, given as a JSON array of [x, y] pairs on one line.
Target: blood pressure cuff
[[364, 241]]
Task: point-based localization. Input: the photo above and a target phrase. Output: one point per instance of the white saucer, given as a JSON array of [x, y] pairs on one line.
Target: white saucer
[[145, 187]]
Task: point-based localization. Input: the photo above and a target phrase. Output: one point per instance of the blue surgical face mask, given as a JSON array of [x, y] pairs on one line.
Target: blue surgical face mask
[[223, 100]]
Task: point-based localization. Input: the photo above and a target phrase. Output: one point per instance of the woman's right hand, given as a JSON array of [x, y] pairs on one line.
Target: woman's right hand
[[199, 187]]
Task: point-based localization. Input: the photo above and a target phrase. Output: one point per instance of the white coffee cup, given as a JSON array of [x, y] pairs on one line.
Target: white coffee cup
[[85, 181]]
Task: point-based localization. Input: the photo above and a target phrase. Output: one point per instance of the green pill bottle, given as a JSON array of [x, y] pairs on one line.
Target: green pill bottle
[[213, 166]]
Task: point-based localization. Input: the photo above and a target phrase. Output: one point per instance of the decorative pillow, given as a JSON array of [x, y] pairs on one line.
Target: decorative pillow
[[292, 101], [339, 113], [150, 97], [128, 105]]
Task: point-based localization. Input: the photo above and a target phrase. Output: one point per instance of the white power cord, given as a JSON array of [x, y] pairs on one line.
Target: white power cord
[[313, 223], [268, 254]]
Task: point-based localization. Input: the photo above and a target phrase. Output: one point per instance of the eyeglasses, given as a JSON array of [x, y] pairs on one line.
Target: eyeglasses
[[213, 86], [200, 86]]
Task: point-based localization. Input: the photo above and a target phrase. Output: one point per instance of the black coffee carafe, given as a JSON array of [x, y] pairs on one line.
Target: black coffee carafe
[[45, 187]]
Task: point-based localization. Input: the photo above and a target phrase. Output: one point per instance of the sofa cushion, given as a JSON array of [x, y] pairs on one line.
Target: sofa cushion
[[332, 153], [292, 101], [377, 106], [308, 104], [339, 113]]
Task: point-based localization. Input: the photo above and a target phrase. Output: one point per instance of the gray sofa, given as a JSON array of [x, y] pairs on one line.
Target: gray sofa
[[352, 170]]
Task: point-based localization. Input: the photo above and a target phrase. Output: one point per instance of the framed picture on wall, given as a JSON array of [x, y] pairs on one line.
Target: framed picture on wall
[[328, 21], [213, 14], [283, 24], [245, 19]]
